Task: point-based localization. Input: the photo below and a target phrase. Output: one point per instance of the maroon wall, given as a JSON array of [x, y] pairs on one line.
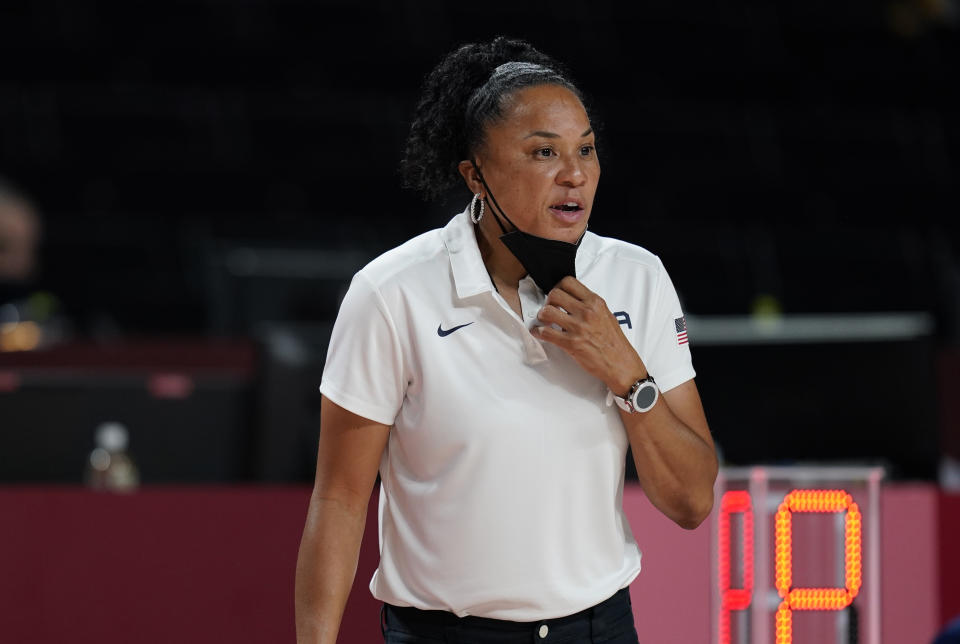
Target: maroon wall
[[217, 565], [161, 565], [949, 556]]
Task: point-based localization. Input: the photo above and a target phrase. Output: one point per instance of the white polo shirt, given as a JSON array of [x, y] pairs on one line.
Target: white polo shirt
[[502, 480]]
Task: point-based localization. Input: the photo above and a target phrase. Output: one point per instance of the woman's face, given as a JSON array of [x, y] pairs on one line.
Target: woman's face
[[540, 162]]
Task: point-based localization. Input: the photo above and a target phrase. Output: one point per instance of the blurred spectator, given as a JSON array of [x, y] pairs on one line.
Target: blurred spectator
[[914, 18], [19, 238], [28, 316]]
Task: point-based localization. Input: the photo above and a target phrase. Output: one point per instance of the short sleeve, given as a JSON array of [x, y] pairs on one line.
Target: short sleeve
[[667, 355], [364, 370]]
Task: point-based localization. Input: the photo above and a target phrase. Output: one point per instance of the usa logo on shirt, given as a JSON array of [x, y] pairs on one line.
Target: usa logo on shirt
[[681, 324]]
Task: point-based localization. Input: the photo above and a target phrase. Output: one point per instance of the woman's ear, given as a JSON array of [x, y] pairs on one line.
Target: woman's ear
[[470, 175]]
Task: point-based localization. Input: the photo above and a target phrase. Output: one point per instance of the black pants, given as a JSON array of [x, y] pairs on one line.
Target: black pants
[[609, 622]]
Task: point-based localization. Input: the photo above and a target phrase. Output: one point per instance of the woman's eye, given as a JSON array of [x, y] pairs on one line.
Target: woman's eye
[[544, 153], [586, 150]]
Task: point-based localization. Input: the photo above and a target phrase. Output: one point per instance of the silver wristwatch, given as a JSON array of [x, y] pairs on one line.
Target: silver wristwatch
[[641, 397]]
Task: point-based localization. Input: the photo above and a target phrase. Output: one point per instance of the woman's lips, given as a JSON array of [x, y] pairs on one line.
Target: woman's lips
[[568, 216]]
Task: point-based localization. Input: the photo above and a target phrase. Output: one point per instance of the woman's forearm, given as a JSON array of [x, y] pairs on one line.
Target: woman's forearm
[[671, 443], [675, 465], [327, 565]]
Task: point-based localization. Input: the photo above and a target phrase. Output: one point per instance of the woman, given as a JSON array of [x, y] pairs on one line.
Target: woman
[[476, 368]]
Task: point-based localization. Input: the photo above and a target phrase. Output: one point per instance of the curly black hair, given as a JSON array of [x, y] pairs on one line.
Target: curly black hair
[[463, 94]]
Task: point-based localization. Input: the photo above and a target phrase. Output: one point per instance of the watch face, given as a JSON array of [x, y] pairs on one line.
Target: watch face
[[645, 396]]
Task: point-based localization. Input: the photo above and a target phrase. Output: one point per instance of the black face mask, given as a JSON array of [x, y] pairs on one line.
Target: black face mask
[[547, 260]]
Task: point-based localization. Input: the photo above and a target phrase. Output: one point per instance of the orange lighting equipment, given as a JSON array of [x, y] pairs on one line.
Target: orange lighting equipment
[[734, 598], [823, 501]]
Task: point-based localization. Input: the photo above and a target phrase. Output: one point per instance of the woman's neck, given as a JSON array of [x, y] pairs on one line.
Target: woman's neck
[[504, 268]]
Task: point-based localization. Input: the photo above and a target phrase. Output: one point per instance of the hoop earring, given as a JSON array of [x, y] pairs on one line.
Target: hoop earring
[[474, 217]]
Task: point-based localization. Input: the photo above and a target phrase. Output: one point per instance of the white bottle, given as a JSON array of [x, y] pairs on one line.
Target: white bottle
[[109, 466]]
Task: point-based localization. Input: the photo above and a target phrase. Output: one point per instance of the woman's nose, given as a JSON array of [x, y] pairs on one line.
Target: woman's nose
[[571, 173]]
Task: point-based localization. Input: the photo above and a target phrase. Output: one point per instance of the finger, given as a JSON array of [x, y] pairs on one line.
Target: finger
[[554, 315], [590, 303], [552, 336], [561, 298], [575, 287]]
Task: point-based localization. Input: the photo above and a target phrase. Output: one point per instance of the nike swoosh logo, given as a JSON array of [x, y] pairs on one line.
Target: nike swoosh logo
[[445, 332]]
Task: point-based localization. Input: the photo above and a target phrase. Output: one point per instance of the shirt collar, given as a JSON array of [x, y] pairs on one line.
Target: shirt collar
[[470, 275], [587, 253]]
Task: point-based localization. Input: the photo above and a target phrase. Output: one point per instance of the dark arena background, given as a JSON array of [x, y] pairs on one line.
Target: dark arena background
[[207, 176]]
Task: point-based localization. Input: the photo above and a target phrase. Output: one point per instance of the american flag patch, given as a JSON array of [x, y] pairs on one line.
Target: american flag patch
[[681, 324]]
